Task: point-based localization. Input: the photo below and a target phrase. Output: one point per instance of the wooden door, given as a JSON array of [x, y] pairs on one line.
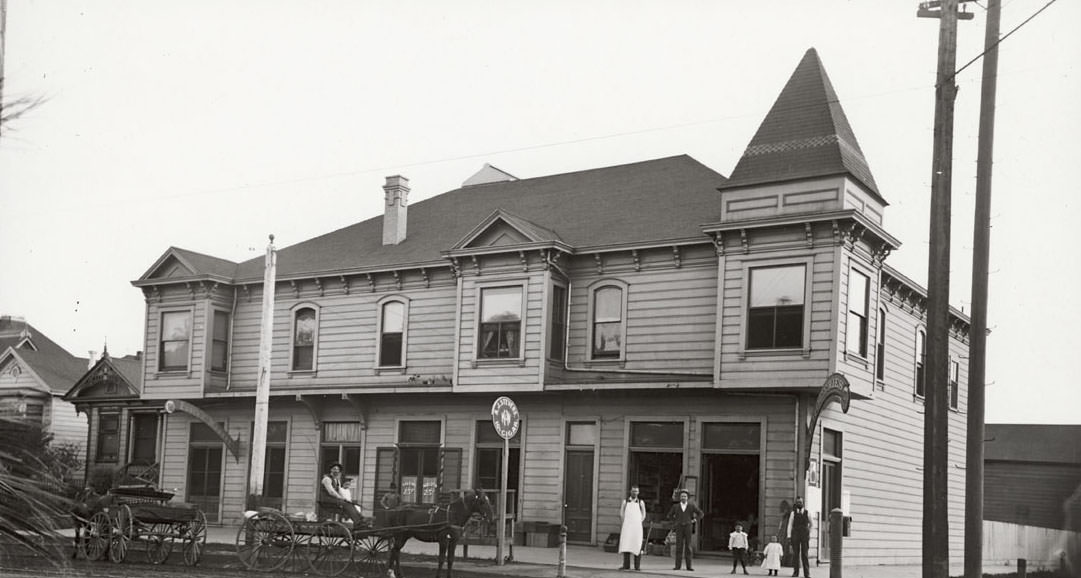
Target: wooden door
[[578, 490]]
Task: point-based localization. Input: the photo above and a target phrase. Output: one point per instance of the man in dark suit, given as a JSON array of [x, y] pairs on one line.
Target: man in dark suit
[[799, 534], [684, 515]]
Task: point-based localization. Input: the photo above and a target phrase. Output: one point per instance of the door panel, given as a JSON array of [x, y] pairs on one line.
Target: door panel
[[578, 490]]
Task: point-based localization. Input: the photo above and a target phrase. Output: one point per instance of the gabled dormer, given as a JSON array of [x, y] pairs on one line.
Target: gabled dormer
[[501, 231]]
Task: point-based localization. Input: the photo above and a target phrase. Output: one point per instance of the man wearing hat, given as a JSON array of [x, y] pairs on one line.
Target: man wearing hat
[[334, 497], [684, 515]]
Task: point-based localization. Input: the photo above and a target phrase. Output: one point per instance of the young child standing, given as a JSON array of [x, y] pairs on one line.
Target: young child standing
[[772, 553], [737, 543]]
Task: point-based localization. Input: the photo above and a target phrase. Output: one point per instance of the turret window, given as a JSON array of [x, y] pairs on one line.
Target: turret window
[[776, 307]]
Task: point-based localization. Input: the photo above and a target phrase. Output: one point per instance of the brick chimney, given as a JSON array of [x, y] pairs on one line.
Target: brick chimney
[[395, 210]]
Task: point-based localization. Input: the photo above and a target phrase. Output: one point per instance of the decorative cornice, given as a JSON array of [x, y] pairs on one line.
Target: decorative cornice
[[676, 257], [600, 263], [424, 275], [634, 258], [345, 284]]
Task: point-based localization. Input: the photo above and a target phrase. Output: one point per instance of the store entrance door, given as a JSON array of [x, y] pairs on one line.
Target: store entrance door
[[730, 485]]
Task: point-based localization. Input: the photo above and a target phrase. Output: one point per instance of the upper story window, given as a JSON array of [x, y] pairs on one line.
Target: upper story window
[[557, 340], [305, 335], [500, 323], [608, 326], [175, 341], [775, 312], [955, 380], [880, 349], [856, 331], [921, 356], [392, 315], [219, 349]]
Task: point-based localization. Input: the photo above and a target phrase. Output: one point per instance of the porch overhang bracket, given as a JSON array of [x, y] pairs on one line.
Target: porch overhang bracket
[[233, 445], [313, 409], [836, 388], [361, 409]]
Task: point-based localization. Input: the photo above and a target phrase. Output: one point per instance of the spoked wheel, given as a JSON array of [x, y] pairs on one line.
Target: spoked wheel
[[121, 535], [159, 544], [330, 549], [96, 536], [372, 554], [265, 541], [194, 536]]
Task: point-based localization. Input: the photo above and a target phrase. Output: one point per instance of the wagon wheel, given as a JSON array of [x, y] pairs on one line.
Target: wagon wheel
[[96, 536], [159, 543], [330, 549], [265, 541], [194, 536], [372, 555], [121, 535]]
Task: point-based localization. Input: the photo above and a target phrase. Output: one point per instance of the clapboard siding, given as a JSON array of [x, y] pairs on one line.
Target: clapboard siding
[[501, 375], [744, 368], [882, 467], [670, 317], [161, 385], [66, 425]]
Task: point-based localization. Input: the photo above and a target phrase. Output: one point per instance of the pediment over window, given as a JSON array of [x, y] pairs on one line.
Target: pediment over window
[[172, 268], [505, 229]]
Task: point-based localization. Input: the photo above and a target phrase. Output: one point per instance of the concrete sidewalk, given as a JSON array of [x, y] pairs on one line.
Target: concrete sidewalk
[[594, 562]]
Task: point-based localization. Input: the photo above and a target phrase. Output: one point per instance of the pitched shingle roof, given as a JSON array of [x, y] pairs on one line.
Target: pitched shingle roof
[[52, 363], [1040, 443], [657, 200], [806, 134]]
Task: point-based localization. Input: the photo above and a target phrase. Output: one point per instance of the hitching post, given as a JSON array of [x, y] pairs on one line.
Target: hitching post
[[836, 528], [561, 571]]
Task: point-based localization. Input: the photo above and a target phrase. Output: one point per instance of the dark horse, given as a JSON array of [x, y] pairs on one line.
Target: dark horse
[[436, 523]]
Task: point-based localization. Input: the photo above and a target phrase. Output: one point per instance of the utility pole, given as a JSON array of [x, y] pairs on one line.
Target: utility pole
[[936, 531], [977, 348], [262, 390]]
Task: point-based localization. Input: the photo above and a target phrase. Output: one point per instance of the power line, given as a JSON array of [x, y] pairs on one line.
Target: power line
[[1004, 37]]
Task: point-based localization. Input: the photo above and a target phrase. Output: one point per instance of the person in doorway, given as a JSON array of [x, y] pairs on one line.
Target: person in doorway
[[771, 557], [391, 499], [799, 535], [334, 497], [684, 515], [633, 512], [737, 544]]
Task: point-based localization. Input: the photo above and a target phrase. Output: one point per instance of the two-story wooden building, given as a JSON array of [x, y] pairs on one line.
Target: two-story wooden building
[[656, 323]]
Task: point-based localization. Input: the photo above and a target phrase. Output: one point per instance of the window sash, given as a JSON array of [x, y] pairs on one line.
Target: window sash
[[880, 351], [775, 327], [558, 339], [500, 340], [219, 349], [108, 449], [175, 340], [921, 355]]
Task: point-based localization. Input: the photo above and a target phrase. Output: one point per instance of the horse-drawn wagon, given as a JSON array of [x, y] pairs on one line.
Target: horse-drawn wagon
[[270, 540], [112, 524]]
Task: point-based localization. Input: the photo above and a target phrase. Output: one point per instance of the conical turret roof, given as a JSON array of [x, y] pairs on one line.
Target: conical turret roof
[[806, 134]]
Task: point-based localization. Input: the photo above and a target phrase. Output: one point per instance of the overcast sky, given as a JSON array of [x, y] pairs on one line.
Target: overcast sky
[[209, 124]]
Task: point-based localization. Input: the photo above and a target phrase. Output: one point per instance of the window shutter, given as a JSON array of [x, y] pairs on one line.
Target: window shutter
[[386, 471]]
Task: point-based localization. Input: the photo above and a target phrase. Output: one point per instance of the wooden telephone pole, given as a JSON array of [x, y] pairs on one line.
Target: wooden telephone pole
[[936, 531], [977, 348], [262, 391]]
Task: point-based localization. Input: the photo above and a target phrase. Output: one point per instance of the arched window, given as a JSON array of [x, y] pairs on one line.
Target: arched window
[[305, 336], [392, 322], [880, 348], [608, 327]]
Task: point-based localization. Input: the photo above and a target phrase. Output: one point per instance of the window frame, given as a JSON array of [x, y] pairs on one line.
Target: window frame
[[955, 384], [522, 285], [115, 456], [880, 348], [863, 346], [920, 364], [591, 310], [807, 262], [214, 341], [379, 309], [293, 312], [558, 326], [162, 368]]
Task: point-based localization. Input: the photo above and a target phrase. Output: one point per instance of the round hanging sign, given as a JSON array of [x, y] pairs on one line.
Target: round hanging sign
[[505, 417]]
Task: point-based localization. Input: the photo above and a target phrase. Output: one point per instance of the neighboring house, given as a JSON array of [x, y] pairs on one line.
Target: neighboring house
[[1029, 473], [35, 373], [656, 323], [124, 429]]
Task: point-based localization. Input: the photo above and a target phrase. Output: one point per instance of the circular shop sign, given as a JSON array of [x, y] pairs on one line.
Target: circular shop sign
[[505, 417]]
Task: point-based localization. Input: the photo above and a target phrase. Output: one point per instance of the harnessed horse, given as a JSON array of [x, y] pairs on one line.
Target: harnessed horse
[[442, 524]]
